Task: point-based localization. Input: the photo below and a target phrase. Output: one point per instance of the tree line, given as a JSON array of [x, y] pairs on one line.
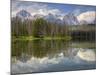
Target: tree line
[[37, 28], [40, 28]]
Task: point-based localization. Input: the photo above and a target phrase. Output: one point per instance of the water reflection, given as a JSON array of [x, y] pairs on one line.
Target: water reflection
[[52, 55]]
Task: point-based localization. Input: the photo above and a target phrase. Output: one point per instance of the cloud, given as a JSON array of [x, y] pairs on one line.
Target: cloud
[[76, 12], [29, 6], [33, 8], [88, 16], [46, 11]]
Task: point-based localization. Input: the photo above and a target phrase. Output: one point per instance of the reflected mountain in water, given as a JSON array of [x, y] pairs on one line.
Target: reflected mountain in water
[[52, 55]]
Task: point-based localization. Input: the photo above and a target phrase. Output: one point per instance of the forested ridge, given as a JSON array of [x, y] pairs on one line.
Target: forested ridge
[[41, 28]]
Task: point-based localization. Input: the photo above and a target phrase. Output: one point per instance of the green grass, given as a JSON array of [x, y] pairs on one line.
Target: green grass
[[57, 38], [37, 38]]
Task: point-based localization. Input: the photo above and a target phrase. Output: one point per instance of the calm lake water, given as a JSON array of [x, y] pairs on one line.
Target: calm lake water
[[52, 55]]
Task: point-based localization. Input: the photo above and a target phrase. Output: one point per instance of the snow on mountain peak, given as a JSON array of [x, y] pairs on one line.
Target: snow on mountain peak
[[23, 14], [70, 19], [88, 17]]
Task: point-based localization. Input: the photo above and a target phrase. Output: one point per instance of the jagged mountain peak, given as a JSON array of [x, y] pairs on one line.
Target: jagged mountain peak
[[23, 14], [70, 19]]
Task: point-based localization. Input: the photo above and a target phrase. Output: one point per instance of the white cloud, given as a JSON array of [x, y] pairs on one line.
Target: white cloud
[[46, 11], [29, 6], [33, 8], [76, 12], [88, 16]]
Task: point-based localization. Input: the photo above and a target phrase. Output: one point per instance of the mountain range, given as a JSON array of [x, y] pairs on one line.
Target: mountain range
[[68, 19]]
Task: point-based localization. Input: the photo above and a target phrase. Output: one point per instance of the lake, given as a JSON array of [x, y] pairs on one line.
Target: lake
[[52, 56]]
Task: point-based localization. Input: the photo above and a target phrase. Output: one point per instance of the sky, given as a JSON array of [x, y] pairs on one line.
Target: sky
[[45, 8]]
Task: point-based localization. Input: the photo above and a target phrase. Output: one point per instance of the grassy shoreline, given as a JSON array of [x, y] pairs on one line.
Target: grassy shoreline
[[37, 38]]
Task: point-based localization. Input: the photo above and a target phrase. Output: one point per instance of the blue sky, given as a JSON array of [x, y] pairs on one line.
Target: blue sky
[[72, 7], [54, 8]]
